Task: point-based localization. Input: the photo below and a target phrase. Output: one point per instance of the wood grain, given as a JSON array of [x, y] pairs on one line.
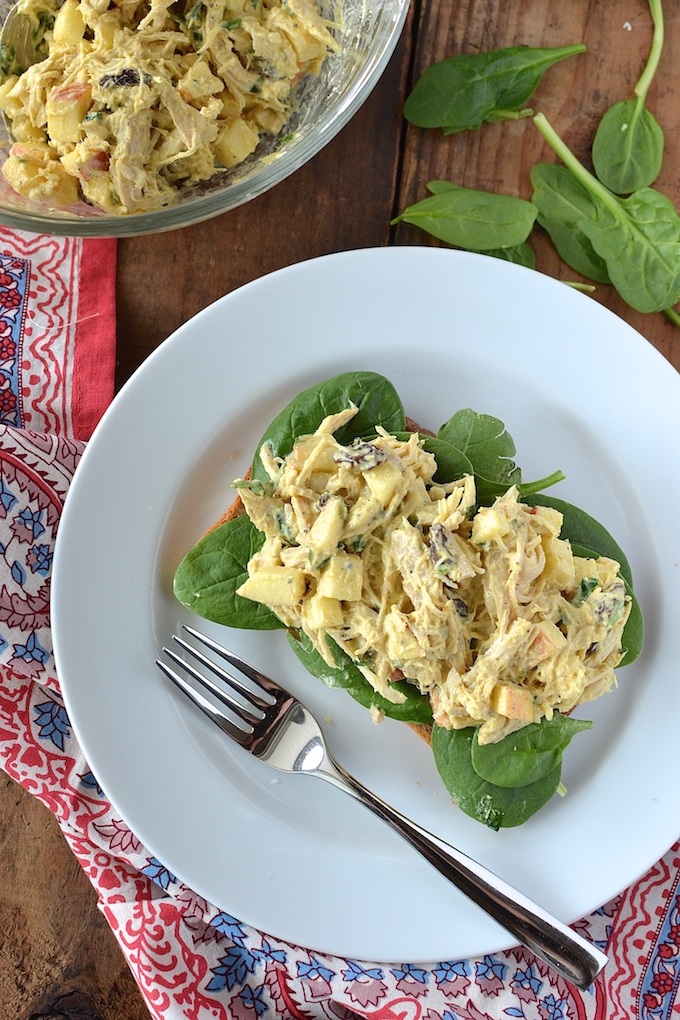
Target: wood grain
[[57, 955], [56, 950]]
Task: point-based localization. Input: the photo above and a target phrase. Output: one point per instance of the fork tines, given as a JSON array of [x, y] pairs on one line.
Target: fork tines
[[247, 707]]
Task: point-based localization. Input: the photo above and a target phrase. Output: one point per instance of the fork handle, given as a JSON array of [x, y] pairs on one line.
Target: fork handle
[[572, 956]]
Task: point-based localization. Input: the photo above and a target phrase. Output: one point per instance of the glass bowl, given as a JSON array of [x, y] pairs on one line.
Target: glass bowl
[[368, 33]]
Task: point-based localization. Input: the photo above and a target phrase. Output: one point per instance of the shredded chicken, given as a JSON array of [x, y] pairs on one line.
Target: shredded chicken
[[484, 609]]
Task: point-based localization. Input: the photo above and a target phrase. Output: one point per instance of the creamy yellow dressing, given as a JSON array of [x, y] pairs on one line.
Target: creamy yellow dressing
[[135, 98], [486, 610]]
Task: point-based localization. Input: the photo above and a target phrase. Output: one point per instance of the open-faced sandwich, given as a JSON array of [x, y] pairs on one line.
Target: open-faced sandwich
[[422, 575]]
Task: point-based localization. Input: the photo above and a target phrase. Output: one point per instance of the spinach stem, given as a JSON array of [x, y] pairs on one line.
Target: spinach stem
[[497, 115], [587, 287], [672, 316], [652, 64], [589, 182], [529, 488]]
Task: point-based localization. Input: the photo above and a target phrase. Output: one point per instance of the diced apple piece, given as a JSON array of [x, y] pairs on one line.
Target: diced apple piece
[[512, 702], [31, 171], [549, 639], [402, 644], [198, 82], [66, 106], [342, 578], [274, 586], [551, 518], [235, 143], [24, 131], [325, 532], [383, 481], [489, 524], [231, 105], [69, 25], [321, 613], [559, 562]]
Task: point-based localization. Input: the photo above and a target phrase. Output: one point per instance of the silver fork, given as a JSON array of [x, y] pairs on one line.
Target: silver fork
[[274, 726]]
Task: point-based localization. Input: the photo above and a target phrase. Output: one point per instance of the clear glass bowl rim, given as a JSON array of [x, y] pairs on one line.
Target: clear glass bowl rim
[[266, 177]]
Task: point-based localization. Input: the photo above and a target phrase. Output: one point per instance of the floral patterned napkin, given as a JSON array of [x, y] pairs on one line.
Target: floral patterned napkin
[[190, 959]]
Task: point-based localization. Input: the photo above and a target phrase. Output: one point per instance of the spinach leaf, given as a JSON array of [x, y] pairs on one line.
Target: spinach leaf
[[584, 531], [640, 243], [471, 219], [373, 394], [632, 639], [462, 92], [530, 754], [208, 576], [495, 806], [520, 254], [628, 145], [638, 238], [451, 463], [575, 249], [591, 539], [416, 708], [486, 442], [488, 445], [562, 203]]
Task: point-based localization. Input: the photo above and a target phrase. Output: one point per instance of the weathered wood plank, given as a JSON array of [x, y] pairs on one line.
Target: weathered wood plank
[[56, 948]]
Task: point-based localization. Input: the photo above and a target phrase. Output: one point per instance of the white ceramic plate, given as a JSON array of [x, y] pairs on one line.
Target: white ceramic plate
[[578, 389]]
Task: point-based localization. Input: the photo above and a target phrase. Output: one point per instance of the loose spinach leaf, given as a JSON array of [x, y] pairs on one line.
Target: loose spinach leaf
[[208, 576], [416, 708], [520, 254], [374, 395], [486, 442], [530, 754], [471, 219], [638, 237], [562, 203], [495, 806], [575, 249], [462, 92], [628, 147], [640, 242]]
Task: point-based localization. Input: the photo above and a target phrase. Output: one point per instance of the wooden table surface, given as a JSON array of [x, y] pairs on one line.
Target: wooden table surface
[[57, 956]]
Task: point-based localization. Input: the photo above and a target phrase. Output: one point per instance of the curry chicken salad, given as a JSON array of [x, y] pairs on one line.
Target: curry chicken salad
[[485, 609], [135, 98]]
